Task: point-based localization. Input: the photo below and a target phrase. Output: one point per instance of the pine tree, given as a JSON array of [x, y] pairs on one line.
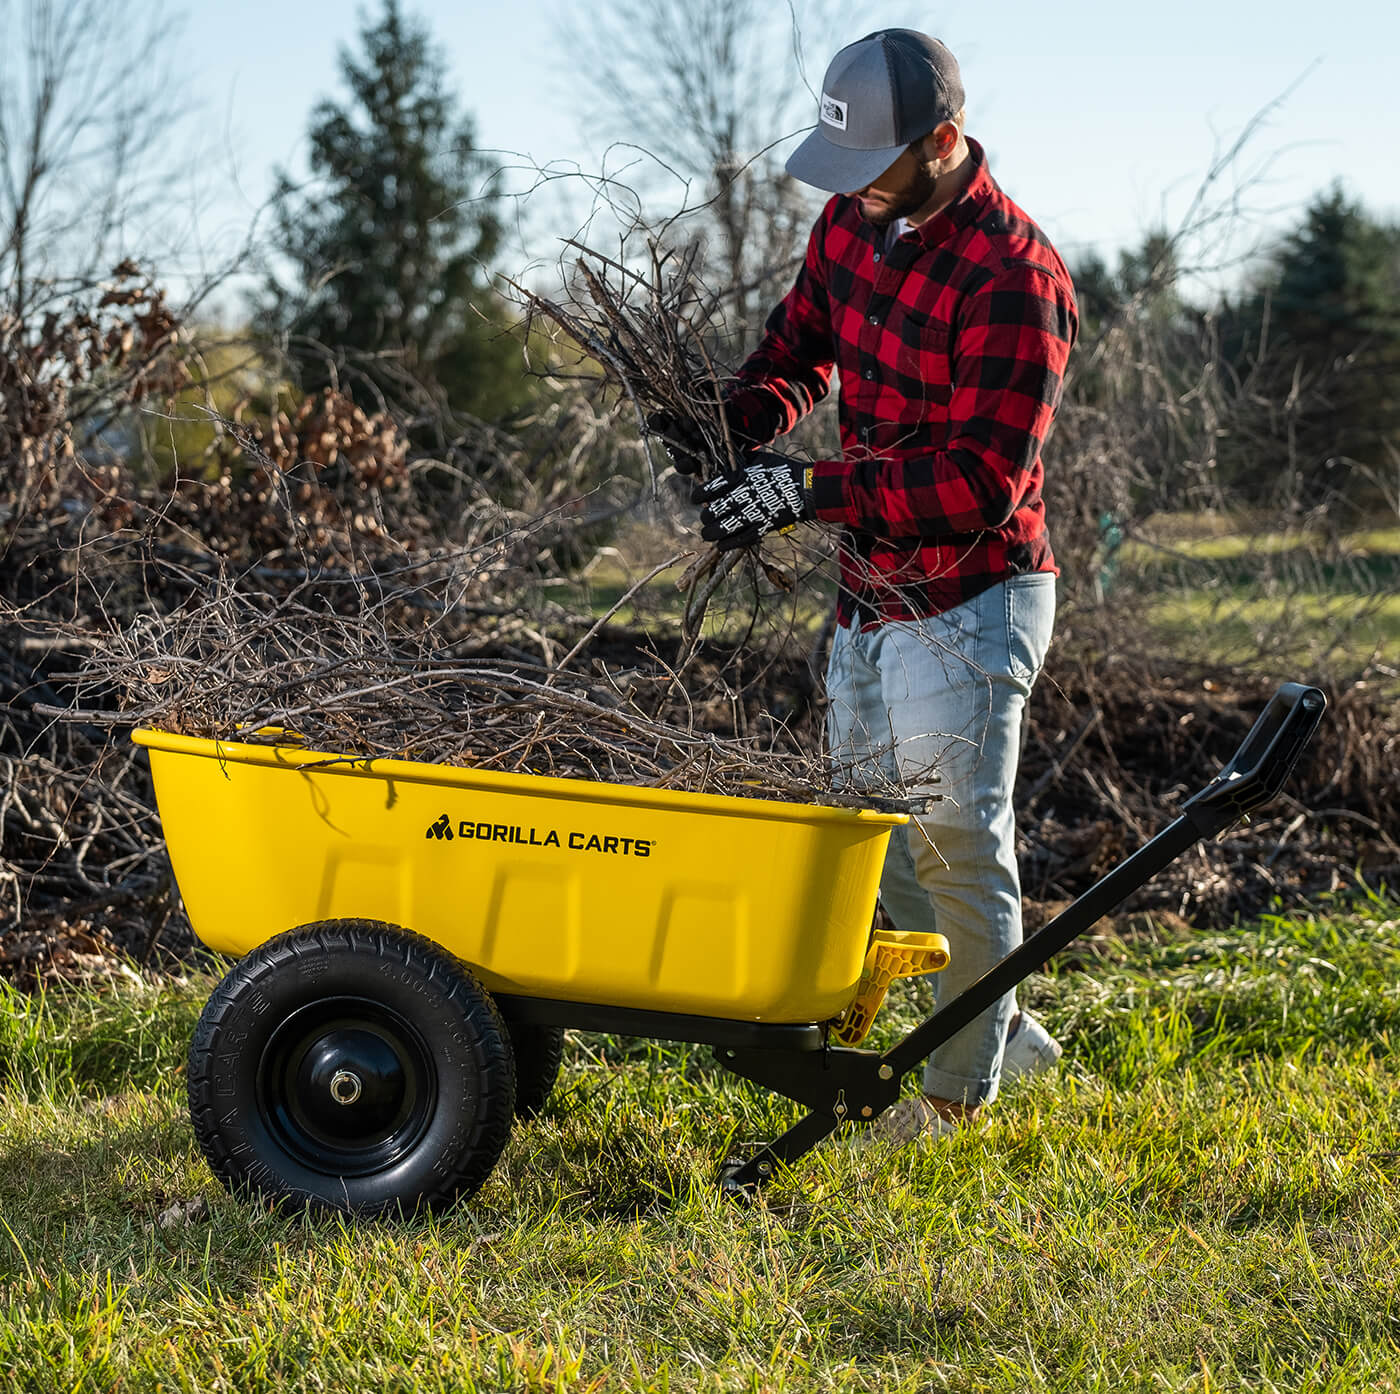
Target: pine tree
[[1144, 285], [1337, 278], [389, 242], [1333, 305]]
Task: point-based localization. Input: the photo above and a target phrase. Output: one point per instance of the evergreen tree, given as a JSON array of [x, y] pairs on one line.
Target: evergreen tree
[[389, 242], [1331, 296], [1144, 286], [1337, 283]]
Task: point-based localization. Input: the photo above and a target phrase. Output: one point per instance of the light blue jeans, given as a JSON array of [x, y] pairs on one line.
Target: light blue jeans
[[948, 695]]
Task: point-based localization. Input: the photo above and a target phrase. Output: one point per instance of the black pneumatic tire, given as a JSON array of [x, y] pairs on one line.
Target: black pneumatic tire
[[538, 1051], [352, 1066]]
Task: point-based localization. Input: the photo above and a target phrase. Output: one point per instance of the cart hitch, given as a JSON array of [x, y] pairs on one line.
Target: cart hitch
[[839, 1085], [856, 1086]]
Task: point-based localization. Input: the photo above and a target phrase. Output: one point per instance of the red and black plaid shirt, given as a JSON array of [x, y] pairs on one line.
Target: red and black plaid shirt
[[951, 348]]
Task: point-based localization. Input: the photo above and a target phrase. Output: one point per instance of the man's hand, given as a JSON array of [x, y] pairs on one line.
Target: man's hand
[[686, 444], [683, 441], [769, 494]]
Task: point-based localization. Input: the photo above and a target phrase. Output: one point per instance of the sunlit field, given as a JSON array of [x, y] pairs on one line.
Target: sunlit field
[[1203, 1198]]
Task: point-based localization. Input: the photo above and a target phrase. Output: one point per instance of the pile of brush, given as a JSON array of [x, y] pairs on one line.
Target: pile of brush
[[333, 666]]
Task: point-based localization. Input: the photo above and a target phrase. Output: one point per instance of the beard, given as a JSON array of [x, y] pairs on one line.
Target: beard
[[909, 199]]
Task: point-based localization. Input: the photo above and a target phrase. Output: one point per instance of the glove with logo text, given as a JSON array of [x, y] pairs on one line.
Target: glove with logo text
[[769, 494]]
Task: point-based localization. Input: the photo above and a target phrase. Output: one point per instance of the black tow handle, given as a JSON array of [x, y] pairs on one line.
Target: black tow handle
[[1254, 775], [1263, 762], [844, 1085]]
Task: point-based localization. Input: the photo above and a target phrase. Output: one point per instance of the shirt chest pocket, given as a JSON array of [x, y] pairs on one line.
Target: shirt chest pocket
[[922, 362]]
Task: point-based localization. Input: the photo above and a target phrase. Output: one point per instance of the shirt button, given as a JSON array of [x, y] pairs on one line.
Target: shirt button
[[874, 319], [877, 256], [869, 373]]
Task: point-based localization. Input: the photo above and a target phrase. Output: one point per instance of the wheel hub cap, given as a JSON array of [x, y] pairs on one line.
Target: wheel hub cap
[[348, 1087]]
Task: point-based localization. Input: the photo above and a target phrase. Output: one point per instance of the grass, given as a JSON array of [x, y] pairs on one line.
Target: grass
[[660, 605], [1265, 598], [1204, 1199], [1284, 602]]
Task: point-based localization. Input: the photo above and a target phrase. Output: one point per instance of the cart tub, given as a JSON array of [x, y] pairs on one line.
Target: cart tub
[[745, 909]]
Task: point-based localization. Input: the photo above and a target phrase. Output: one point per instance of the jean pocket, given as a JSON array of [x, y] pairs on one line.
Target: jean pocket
[[1030, 621]]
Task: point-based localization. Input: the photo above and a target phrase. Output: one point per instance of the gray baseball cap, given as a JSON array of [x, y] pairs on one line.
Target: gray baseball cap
[[878, 96]]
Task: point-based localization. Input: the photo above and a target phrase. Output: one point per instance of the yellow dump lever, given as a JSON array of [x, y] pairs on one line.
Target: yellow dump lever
[[892, 954]]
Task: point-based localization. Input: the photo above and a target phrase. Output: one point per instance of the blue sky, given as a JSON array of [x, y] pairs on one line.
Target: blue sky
[[1099, 118]]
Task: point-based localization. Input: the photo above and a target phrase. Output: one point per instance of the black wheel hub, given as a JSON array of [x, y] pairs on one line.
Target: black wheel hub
[[347, 1086]]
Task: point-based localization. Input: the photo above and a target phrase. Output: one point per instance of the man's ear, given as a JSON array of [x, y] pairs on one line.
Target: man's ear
[[942, 140]]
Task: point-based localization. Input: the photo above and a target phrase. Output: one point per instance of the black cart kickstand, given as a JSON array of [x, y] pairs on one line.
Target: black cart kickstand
[[842, 1085]]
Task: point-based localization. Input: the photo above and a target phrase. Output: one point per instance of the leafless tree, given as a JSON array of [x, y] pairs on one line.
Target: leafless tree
[[709, 89], [86, 104]]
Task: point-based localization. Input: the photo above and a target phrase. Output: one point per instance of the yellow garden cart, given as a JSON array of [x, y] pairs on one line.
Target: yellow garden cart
[[414, 938]]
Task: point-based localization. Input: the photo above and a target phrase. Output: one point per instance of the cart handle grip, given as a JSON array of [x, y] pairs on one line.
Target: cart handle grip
[[1262, 764]]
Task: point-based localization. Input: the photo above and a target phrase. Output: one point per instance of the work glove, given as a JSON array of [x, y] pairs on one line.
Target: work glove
[[770, 494], [684, 443]]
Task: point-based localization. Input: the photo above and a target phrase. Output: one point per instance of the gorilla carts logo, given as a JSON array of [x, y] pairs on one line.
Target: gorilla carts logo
[[442, 829]]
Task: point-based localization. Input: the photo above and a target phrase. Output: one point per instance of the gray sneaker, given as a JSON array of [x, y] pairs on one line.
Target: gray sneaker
[[912, 1119], [1030, 1050]]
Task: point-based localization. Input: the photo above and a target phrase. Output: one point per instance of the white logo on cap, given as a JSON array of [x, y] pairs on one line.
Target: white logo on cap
[[833, 112]]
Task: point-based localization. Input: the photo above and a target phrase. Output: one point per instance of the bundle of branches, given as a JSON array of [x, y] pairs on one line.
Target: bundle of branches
[[648, 331], [648, 334]]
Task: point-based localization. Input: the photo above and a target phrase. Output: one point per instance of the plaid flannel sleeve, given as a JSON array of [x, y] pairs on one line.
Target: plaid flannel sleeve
[[790, 371], [1012, 341]]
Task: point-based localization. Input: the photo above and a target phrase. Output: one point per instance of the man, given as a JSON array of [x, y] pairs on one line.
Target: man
[[949, 318]]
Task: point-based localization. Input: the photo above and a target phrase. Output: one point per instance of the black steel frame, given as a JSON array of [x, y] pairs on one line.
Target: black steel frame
[[843, 1085]]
